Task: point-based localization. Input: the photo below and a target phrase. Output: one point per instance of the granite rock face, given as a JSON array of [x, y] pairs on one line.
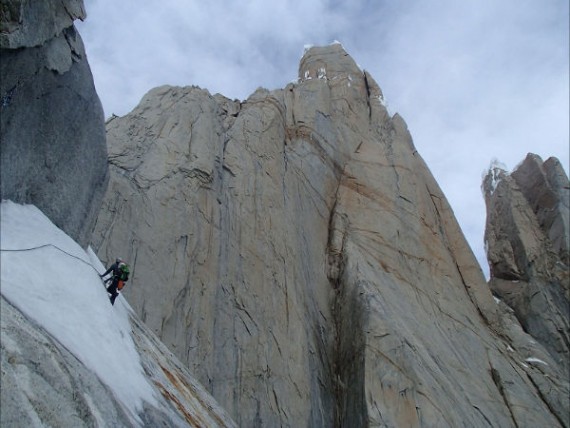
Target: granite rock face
[[53, 150], [296, 253], [43, 384], [527, 236]]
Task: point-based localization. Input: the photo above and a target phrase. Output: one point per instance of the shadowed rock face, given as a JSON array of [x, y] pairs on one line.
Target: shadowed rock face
[[53, 151], [296, 253], [527, 235]]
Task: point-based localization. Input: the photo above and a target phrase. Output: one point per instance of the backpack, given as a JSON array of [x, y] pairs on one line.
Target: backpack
[[124, 272]]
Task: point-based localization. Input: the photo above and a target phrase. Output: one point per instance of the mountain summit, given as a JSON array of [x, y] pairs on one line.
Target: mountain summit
[[295, 251]]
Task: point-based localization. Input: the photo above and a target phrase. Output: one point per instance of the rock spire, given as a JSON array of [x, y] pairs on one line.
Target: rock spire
[[527, 238], [295, 251]]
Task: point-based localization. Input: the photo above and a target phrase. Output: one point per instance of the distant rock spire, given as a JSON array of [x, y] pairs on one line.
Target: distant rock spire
[[527, 236]]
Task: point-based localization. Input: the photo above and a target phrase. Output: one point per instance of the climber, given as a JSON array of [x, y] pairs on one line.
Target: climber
[[119, 275]]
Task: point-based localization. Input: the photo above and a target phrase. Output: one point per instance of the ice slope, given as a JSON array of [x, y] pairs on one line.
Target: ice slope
[[52, 280]]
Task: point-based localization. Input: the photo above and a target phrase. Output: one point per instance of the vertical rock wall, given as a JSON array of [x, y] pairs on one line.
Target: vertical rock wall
[[53, 152], [295, 251]]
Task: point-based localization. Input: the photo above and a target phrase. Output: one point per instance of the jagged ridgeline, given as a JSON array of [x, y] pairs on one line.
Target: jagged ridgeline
[[296, 253]]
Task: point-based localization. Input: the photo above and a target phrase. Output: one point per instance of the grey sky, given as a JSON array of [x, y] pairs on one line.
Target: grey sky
[[474, 79]]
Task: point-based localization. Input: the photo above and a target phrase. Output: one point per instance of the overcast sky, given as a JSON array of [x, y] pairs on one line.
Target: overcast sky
[[474, 79]]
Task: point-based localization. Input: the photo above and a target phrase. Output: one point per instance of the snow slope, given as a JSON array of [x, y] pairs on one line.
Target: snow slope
[[51, 279]]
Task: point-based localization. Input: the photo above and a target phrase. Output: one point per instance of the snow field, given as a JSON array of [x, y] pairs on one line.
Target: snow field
[[57, 285]]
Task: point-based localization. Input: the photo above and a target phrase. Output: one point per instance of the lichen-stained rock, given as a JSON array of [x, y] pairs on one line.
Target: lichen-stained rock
[[296, 252], [52, 135], [527, 240]]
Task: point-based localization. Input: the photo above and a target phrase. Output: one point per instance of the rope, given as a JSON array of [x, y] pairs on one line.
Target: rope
[[105, 281], [53, 246]]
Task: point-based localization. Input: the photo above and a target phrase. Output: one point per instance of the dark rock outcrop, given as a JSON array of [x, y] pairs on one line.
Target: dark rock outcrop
[[296, 253], [53, 151], [527, 238]]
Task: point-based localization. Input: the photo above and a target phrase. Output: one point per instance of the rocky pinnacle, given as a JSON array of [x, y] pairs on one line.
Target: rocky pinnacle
[[295, 251]]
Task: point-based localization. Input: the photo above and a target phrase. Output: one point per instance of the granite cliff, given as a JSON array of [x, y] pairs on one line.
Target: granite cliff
[[52, 132], [527, 238], [296, 253], [53, 155]]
